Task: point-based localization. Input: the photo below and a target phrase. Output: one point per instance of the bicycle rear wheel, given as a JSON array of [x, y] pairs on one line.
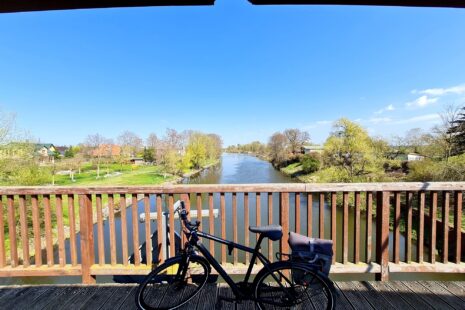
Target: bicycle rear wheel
[[172, 284], [292, 286]]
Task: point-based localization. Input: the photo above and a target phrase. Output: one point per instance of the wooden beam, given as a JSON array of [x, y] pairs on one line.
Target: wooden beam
[[10, 6]]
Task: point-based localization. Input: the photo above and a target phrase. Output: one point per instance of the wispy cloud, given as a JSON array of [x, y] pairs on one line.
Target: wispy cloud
[[420, 118], [437, 92], [421, 102], [379, 120], [385, 109], [316, 124]]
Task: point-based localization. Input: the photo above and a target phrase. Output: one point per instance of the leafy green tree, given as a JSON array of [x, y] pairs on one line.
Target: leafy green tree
[[457, 130], [149, 155], [309, 164], [351, 150]]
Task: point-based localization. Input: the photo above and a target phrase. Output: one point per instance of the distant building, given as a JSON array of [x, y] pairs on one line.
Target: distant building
[[46, 152], [405, 156], [414, 157], [309, 149], [62, 150], [137, 160], [106, 150]]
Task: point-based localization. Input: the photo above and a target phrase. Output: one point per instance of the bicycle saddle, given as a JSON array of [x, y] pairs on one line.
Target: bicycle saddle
[[274, 232]]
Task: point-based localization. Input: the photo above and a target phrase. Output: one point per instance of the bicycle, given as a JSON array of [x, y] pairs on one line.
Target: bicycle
[[287, 284]]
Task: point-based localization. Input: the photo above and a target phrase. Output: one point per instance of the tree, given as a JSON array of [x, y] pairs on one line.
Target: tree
[[350, 149], [148, 155], [296, 139], [457, 133], [278, 148], [99, 147], [130, 144]]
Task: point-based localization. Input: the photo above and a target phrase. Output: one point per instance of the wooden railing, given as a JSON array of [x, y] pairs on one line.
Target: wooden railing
[[58, 231]]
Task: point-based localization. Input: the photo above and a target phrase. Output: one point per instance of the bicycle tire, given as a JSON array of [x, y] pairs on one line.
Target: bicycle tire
[[287, 285], [166, 288]]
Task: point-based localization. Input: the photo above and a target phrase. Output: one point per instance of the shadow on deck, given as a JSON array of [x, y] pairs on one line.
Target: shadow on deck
[[350, 295]]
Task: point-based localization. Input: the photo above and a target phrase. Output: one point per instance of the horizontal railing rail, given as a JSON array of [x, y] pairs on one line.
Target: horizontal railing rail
[[376, 228]]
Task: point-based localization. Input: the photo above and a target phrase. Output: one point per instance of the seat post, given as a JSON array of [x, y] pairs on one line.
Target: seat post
[[254, 257]]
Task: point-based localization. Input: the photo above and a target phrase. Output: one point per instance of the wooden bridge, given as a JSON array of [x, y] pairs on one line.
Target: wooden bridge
[[73, 231]]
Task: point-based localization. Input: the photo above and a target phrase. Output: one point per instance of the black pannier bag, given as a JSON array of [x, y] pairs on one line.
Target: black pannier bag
[[317, 252]]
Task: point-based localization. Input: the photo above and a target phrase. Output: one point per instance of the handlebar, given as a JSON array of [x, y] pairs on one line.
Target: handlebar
[[180, 207]]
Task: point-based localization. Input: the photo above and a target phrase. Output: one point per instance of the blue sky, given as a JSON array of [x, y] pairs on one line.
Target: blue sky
[[238, 70]]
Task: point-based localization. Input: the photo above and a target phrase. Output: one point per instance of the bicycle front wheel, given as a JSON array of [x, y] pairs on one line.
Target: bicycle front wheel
[[173, 283], [292, 286]]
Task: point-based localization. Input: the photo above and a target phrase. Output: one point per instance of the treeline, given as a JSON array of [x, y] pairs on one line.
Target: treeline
[[174, 153]]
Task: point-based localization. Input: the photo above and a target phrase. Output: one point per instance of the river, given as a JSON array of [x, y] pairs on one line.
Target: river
[[236, 169]]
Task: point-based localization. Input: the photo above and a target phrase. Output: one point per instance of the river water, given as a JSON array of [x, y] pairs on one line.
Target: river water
[[235, 169]]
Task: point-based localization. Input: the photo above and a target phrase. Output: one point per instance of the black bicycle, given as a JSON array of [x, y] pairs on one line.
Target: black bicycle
[[285, 284]]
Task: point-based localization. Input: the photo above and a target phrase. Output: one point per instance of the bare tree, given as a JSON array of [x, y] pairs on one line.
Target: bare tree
[[445, 135], [278, 148], [130, 144], [296, 139], [98, 146]]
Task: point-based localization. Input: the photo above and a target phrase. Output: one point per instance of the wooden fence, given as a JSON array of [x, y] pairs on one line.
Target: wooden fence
[[57, 231]]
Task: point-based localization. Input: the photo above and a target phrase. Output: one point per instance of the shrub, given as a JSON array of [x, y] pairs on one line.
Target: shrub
[[310, 164]]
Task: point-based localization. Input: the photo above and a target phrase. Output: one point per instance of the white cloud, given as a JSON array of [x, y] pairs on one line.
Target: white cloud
[[385, 109], [419, 118], [378, 120], [422, 101], [459, 89], [316, 124]]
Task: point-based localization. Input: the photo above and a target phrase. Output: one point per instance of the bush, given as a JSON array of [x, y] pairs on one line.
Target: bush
[[310, 164]]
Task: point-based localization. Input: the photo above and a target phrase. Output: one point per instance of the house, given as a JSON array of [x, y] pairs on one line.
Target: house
[[45, 152], [414, 157], [62, 150], [106, 150], [137, 160], [309, 149]]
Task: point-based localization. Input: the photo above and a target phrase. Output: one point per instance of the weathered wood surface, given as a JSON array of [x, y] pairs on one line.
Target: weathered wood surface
[[348, 295]]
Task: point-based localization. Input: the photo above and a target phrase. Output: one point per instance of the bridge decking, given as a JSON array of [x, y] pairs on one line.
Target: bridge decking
[[351, 295]]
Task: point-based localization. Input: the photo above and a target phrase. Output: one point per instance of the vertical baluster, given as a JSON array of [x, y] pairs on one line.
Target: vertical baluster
[[322, 215], [100, 237], [135, 230], [369, 224], [357, 229], [187, 203], [458, 224], [160, 236], [148, 232], [48, 230], [12, 231], [309, 214], [223, 227], [234, 218], [72, 229], [297, 213], [408, 240], [333, 223], [124, 228], [24, 236], [246, 224], [199, 207], [397, 227], [2, 236], [382, 234], [445, 231], [433, 216], [211, 223], [171, 219], [61, 231], [270, 221], [421, 228], [87, 238], [257, 212], [284, 221], [345, 228], [111, 219]]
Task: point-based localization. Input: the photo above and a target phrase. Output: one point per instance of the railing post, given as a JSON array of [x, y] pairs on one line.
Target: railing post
[[87, 238], [284, 221], [382, 235]]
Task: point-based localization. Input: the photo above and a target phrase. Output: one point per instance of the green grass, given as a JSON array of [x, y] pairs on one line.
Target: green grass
[[146, 175], [292, 168]]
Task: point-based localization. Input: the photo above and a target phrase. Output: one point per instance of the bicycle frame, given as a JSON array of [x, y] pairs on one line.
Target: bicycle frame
[[194, 240]]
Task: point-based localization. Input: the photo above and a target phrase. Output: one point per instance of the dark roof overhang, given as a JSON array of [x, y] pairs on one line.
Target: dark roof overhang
[[419, 3], [11, 6]]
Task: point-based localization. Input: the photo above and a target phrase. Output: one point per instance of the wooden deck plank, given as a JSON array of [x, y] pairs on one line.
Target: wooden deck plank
[[119, 295], [26, 300], [373, 296], [74, 298], [52, 296], [444, 294], [129, 302], [454, 288], [207, 297], [14, 294], [101, 295], [408, 295], [340, 300], [390, 294], [355, 298], [426, 295]]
